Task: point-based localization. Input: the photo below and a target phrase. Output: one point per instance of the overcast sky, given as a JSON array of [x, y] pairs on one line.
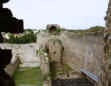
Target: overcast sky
[[70, 14]]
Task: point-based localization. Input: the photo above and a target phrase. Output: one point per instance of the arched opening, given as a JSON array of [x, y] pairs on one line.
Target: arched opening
[[52, 29]]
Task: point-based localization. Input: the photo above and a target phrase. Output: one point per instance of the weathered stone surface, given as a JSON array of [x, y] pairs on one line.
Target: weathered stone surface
[[54, 47], [105, 76], [26, 54], [79, 50], [10, 69], [44, 65]]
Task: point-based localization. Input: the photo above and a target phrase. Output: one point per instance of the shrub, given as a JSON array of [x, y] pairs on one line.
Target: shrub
[[92, 29], [26, 38]]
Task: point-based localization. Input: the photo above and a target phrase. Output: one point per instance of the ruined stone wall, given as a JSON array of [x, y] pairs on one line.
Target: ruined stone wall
[[83, 51], [44, 65], [80, 50], [25, 52], [54, 48], [11, 68], [105, 76]]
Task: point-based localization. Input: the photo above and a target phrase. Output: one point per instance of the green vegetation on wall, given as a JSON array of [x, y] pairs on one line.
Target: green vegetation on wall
[[56, 68], [45, 77], [58, 31]]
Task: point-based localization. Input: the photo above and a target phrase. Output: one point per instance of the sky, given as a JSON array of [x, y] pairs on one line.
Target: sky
[[69, 14]]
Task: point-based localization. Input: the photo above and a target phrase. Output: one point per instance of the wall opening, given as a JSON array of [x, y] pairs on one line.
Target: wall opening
[[52, 29]]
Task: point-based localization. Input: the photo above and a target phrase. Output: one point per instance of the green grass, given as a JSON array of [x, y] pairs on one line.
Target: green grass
[[67, 68], [45, 77], [28, 76], [56, 68]]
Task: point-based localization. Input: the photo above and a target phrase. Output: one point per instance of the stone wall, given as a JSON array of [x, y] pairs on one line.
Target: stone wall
[[10, 69], [54, 47], [105, 76], [83, 51], [44, 65], [25, 55], [80, 50], [25, 52]]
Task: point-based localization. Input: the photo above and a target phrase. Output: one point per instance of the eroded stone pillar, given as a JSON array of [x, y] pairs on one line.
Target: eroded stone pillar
[[105, 77]]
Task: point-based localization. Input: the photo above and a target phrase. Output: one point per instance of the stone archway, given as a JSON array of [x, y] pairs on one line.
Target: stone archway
[[52, 29]]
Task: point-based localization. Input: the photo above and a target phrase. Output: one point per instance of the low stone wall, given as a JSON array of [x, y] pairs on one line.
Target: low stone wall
[[25, 52], [70, 75], [10, 69], [44, 65]]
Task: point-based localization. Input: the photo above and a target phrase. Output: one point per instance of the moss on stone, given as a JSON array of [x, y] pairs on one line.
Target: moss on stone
[[45, 77], [56, 68], [66, 68]]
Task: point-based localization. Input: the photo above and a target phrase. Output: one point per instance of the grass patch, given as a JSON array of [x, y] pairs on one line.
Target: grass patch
[[28, 76], [56, 68], [66, 68], [45, 77]]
